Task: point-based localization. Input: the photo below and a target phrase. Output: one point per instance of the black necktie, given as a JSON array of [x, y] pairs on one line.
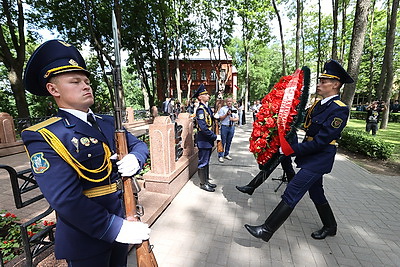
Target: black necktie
[[93, 122]]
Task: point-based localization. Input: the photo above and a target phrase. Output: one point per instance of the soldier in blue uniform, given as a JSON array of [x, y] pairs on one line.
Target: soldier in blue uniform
[[324, 123], [71, 159], [205, 137]]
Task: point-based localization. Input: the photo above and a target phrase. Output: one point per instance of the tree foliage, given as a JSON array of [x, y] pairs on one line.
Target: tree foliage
[[152, 32]]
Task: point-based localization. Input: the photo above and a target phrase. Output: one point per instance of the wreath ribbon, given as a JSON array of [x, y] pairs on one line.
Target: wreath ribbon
[[284, 110]]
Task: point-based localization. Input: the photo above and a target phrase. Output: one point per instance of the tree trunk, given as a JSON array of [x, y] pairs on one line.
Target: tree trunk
[[282, 40], [356, 48], [343, 34], [371, 55], [12, 53], [298, 31], [335, 7], [177, 77], [17, 86], [247, 80], [382, 77], [319, 41], [388, 58]]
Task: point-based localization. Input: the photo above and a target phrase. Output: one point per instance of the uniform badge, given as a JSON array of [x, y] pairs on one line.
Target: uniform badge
[[93, 140], [85, 141], [201, 116], [75, 142], [39, 163], [336, 122]]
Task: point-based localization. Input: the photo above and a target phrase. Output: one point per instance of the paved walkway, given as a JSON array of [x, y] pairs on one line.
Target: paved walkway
[[206, 229]]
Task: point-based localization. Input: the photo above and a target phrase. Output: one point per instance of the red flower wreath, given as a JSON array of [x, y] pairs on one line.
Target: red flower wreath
[[264, 140]]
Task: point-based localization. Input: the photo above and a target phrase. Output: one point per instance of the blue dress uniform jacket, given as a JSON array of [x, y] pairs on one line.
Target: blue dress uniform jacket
[[205, 136], [317, 152], [85, 226]]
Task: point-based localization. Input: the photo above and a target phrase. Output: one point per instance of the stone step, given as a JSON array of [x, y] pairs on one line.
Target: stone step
[[7, 149], [153, 204]]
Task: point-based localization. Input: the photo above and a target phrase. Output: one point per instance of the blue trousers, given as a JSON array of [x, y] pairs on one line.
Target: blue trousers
[[204, 157], [303, 181], [226, 136], [115, 257]]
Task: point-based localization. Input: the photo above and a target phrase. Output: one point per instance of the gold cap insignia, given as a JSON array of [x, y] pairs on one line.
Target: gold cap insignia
[[64, 43], [73, 62]]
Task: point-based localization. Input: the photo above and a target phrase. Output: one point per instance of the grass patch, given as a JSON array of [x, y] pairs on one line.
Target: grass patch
[[390, 135]]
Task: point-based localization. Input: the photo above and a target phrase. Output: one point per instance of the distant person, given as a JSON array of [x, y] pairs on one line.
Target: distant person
[[165, 106], [228, 116], [51, 110], [373, 116], [256, 109], [395, 107]]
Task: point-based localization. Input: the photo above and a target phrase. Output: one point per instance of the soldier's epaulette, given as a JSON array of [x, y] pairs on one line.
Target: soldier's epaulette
[[43, 124], [340, 103]]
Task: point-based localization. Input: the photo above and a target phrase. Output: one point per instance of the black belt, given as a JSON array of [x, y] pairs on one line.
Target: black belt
[[227, 125]]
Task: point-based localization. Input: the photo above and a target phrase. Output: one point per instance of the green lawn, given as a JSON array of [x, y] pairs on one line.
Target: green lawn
[[390, 135]]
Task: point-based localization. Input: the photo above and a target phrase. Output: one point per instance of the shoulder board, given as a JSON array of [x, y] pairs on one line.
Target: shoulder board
[[203, 108], [340, 103], [43, 124]]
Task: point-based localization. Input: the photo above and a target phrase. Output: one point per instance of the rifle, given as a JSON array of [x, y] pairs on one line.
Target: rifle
[[217, 106], [144, 254], [220, 147]]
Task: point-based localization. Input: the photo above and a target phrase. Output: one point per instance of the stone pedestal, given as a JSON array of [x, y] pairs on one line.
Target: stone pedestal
[[130, 115], [8, 141], [7, 129], [166, 175], [162, 145]]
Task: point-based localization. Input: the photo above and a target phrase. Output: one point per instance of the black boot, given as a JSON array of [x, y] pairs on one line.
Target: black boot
[[328, 220], [208, 177], [203, 180], [256, 182], [274, 221]]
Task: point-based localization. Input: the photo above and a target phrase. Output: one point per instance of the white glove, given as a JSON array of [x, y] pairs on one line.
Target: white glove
[[219, 137], [280, 151], [133, 232], [114, 156], [128, 165]]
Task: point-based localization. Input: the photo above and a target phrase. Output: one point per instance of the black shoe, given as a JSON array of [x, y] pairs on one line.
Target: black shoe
[[211, 185], [328, 221], [260, 231], [324, 232], [207, 187], [246, 189]]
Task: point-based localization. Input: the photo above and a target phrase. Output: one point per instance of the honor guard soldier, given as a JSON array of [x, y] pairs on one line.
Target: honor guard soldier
[[71, 159], [205, 137], [324, 123]]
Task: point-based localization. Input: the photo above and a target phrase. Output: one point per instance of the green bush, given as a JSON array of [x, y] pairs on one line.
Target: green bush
[[358, 115], [366, 144], [362, 115]]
